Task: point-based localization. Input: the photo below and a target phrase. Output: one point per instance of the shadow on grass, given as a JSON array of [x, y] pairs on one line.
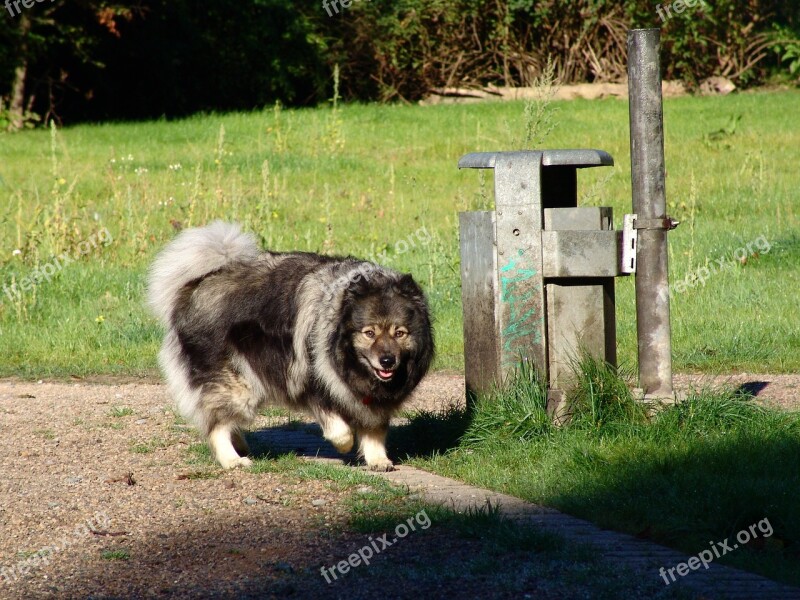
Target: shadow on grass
[[280, 551], [428, 434], [296, 439], [694, 494], [700, 472], [425, 434]]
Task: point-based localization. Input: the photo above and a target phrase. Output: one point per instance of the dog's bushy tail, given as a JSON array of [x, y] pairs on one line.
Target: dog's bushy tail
[[191, 255]]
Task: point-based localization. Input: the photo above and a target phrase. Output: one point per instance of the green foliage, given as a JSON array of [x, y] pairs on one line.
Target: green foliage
[[725, 37], [792, 52], [787, 49], [411, 47], [7, 117]]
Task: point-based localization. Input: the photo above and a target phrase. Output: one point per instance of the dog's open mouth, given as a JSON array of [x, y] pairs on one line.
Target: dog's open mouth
[[383, 375]]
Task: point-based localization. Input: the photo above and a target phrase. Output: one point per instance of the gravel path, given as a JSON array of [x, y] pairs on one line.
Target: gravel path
[[100, 497]]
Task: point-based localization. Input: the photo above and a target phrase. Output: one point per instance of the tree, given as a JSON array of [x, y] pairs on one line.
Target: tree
[[42, 41]]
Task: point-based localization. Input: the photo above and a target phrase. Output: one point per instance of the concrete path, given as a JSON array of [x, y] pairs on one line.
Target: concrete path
[[644, 557]]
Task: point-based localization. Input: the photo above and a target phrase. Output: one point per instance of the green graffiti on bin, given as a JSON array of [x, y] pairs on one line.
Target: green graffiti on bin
[[522, 319]]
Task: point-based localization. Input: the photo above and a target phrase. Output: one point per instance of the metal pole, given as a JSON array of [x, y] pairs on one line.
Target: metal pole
[[649, 204]]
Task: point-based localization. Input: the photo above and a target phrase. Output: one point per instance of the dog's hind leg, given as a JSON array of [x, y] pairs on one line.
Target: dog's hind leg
[[221, 441], [372, 446], [228, 406]]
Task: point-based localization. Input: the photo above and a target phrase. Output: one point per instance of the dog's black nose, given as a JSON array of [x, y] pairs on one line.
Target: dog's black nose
[[387, 362]]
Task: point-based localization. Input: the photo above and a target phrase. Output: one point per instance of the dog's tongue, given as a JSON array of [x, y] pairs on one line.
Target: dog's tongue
[[385, 374]]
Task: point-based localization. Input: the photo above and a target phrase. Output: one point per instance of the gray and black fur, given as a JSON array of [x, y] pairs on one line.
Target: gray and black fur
[[340, 338]]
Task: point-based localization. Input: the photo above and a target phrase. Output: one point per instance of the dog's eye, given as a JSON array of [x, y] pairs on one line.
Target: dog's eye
[[369, 333], [400, 333]]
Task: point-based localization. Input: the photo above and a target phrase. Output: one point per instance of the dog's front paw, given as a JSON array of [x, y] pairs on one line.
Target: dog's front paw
[[232, 463], [336, 431], [343, 443], [373, 449], [382, 466]]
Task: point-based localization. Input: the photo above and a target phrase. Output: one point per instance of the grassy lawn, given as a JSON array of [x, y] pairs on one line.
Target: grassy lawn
[[85, 209], [382, 181]]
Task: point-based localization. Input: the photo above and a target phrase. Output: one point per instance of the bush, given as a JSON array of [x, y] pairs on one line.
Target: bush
[[406, 48], [91, 60]]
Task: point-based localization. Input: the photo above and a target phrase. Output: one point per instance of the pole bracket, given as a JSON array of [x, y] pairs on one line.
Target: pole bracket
[[630, 237], [665, 224]]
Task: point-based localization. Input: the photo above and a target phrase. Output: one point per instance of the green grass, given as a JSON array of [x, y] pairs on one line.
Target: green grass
[[368, 181], [47, 434], [365, 181], [149, 446], [121, 411], [700, 471], [121, 554], [200, 454]]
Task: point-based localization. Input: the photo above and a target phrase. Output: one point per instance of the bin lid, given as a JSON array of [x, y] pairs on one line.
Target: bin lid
[[578, 158]]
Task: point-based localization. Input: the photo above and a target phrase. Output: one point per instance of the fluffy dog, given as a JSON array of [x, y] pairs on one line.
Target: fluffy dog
[[342, 339]]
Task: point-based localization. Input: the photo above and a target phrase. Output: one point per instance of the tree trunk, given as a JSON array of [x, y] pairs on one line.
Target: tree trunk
[[17, 104]]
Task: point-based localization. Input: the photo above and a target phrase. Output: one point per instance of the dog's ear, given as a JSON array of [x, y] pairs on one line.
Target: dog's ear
[[357, 286], [407, 287]]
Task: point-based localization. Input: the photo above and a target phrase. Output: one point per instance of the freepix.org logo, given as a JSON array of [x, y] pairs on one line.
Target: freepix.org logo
[[332, 6], [364, 555], [701, 274], [97, 522], [12, 6], [665, 11], [720, 549], [46, 271], [371, 264]]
